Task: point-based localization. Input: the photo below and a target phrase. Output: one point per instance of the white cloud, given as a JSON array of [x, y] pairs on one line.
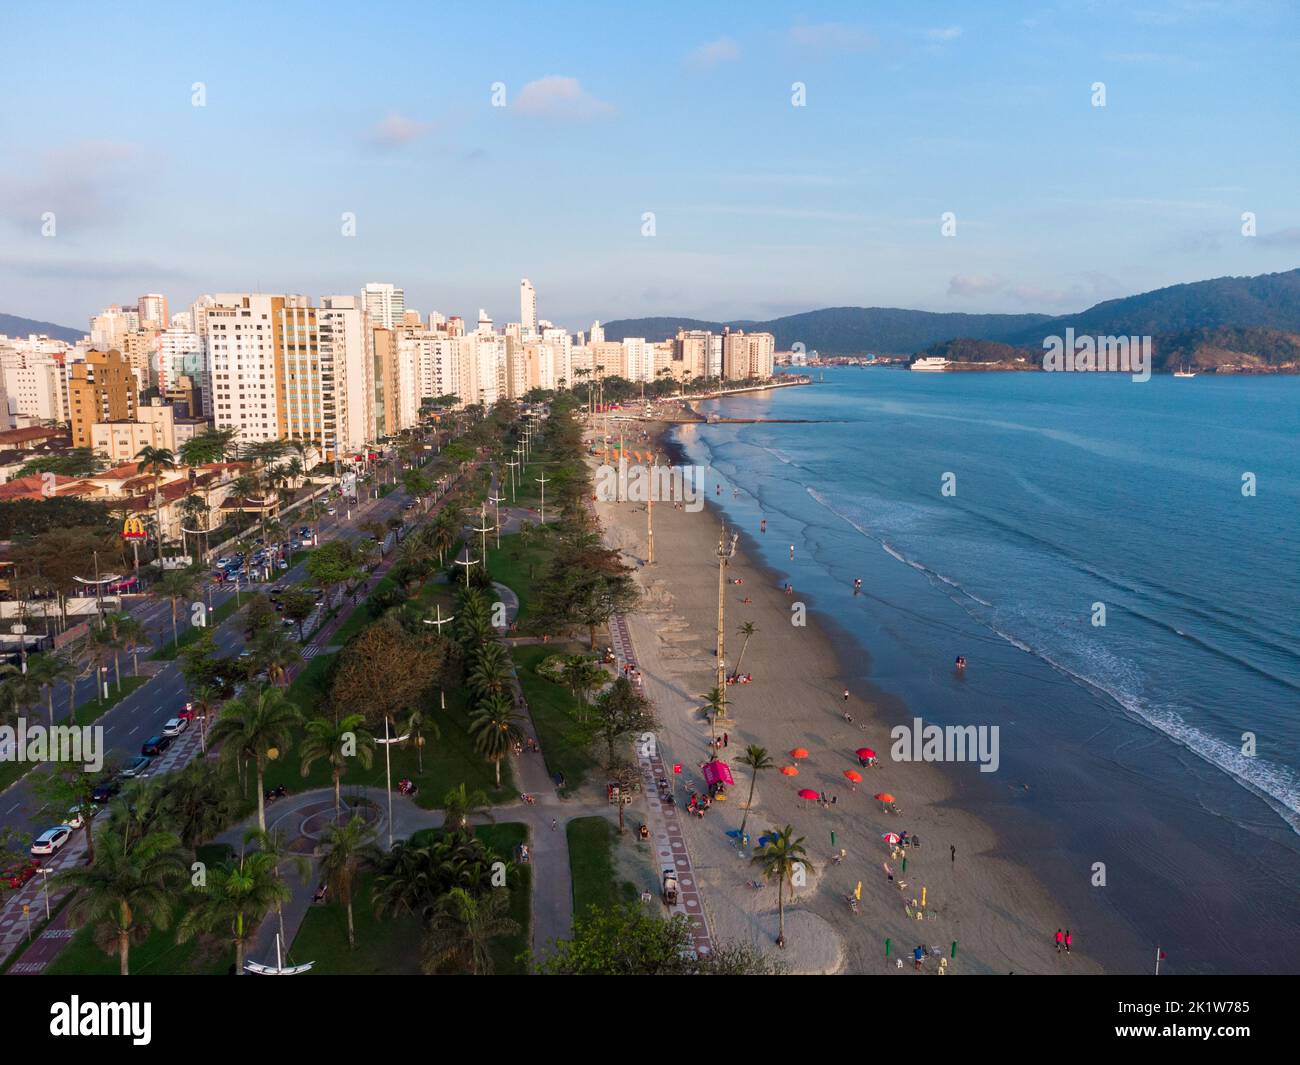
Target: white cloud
[[394, 131], [555, 96], [947, 33], [974, 285], [832, 37], [723, 50]]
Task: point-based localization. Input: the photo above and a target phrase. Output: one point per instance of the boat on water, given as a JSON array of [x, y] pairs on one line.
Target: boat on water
[[1184, 372], [930, 364]]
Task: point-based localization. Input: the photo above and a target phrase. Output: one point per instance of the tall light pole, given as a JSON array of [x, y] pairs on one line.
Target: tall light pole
[[542, 481], [483, 530], [650, 513], [440, 621], [466, 562], [388, 774], [496, 501], [726, 549], [512, 464]]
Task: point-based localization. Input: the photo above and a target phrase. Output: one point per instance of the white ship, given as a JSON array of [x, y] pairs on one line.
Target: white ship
[[932, 364], [1184, 372]]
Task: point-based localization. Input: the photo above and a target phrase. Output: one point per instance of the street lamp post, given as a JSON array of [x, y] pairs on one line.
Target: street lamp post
[[440, 621], [512, 464], [466, 562], [496, 501], [542, 481], [483, 530]]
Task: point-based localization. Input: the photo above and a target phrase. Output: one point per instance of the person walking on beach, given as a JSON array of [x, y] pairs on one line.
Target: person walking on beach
[[953, 847], [1060, 940], [792, 552], [554, 824], [726, 739], [1069, 939], [762, 526], [846, 695]]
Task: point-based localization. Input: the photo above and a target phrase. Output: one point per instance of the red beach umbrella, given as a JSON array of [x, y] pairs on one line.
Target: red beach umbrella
[[865, 752], [890, 837], [799, 752], [853, 775], [808, 793], [884, 796], [789, 771]]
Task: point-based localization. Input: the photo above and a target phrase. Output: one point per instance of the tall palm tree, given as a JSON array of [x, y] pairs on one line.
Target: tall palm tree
[[460, 804], [176, 585], [205, 700], [276, 846], [495, 728], [715, 705], [780, 858], [276, 652], [156, 460], [131, 631], [50, 669], [491, 672], [106, 646], [746, 630], [419, 726], [345, 848], [235, 899], [337, 741], [253, 726], [756, 759], [129, 890], [463, 928]]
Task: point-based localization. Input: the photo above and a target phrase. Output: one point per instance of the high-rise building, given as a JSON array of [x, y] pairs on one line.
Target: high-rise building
[[152, 309], [528, 308], [597, 333], [384, 303], [240, 343], [747, 355], [100, 389]]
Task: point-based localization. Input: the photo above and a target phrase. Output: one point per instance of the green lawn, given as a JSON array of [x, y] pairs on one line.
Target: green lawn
[[591, 861], [392, 946], [520, 569], [566, 742], [158, 955]]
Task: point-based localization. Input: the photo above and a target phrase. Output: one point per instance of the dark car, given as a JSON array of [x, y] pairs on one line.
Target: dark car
[[104, 792], [155, 745], [15, 876]]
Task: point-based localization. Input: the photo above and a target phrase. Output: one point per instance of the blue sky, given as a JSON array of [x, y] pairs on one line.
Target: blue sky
[[613, 110]]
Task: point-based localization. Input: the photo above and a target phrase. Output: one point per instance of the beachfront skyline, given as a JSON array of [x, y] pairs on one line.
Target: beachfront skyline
[[760, 207]]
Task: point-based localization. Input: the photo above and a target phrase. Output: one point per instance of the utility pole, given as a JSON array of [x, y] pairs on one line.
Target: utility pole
[[512, 464], [496, 501], [542, 481], [440, 621], [466, 562], [484, 530], [726, 549], [650, 514]]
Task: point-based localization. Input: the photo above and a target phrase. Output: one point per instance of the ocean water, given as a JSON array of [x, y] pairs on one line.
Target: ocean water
[[1069, 494]]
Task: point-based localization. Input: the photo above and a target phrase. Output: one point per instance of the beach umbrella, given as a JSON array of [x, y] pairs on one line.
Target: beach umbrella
[[853, 775], [799, 752], [789, 771], [884, 796], [890, 837], [808, 793], [865, 752]]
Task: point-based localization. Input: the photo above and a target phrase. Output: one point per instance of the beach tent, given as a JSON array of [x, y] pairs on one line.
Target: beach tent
[[717, 772]]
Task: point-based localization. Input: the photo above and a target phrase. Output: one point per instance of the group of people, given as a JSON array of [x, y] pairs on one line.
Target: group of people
[[1064, 940], [741, 678], [698, 804], [406, 786]]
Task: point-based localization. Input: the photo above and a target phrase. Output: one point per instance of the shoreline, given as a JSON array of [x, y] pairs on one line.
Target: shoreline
[[1002, 916]]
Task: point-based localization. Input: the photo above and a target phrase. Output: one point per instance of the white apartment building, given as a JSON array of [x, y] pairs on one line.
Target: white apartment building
[[638, 359], [180, 354], [527, 308], [240, 342], [384, 303]]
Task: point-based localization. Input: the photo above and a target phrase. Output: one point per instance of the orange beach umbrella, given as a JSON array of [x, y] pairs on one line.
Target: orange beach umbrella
[[884, 796], [853, 775], [789, 771], [799, 752]]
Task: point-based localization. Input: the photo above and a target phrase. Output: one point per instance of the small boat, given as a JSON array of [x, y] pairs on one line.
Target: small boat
[[1184, 372], [931, 364]]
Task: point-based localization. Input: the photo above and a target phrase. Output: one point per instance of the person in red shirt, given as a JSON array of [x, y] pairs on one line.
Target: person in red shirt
[[1060, 940], [1068, 940]]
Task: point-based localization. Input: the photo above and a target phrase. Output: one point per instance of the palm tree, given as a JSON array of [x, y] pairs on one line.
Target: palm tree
[[491, 672], [420, 725], [337, 741], [276, 846], [251, 728], [463, 928], [175, 585], [780, 858], [156, 460], [129, 890], [583, 676], [131, 631], [756, 759], [235, 898], [746, 630], [460, 804], [276, 652], [345, 849], [106, 647], [48, 670], [442, 534], [715, 705], [495, 728]]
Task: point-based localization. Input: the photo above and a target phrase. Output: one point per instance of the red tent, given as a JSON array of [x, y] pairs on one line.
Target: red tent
[[717, 772]]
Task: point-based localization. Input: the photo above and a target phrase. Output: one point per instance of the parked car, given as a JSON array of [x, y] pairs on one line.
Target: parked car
[[188, 713], [105, 791], [51, 841], [75, 819], [282, 564], [15, 876], [135, 767], [175, 726], [155, 745]]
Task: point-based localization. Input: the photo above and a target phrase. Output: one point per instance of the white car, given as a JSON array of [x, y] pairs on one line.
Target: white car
[[51, 841], [74, 819], [175, 726]]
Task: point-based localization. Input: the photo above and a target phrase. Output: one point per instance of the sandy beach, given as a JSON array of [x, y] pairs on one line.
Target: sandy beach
[[1001, 918]]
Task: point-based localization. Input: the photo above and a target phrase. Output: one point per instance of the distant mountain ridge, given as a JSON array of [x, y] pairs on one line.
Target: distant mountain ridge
[[13, 326], [1267, 302]]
